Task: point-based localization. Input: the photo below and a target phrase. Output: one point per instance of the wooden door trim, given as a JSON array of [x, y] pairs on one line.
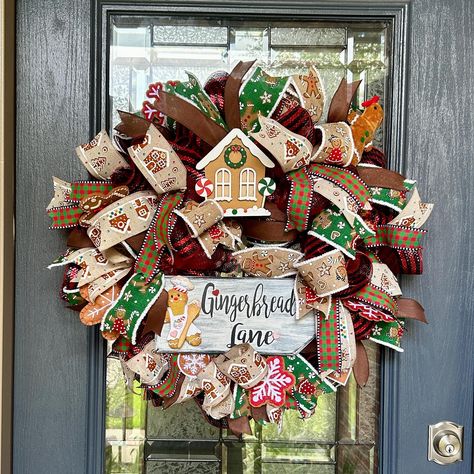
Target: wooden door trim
[[397, 13], [7, 195]]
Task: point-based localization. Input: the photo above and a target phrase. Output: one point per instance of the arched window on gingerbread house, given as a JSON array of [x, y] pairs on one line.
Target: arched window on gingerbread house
[[248, 185], [223, 185]]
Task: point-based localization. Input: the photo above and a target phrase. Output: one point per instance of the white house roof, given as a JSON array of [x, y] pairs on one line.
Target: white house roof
[[235, 132]]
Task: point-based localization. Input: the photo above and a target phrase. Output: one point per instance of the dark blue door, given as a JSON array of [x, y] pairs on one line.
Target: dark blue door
[[59, 364]]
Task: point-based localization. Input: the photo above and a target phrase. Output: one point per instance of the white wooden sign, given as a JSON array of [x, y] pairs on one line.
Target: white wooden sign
[[211, 315]]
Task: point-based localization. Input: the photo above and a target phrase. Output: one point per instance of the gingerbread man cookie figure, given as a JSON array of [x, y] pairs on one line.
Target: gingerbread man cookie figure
[[181, 314]]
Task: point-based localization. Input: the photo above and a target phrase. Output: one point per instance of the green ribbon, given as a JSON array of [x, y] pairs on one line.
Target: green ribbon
[[193, 92], [132, 305], [260, 95]]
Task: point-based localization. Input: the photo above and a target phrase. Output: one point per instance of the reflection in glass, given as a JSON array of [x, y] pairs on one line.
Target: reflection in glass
[[342, 436]]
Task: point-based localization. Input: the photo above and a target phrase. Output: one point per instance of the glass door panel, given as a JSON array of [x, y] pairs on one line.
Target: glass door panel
[[342, 436]]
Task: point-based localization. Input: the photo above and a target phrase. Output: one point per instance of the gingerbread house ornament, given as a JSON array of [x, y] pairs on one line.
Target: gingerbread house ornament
[[236, 167]]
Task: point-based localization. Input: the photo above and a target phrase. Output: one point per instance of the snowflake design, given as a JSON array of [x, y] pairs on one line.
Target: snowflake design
[[266, 98], [313, 110], [376, 331], [134, 314], [199, 220], [290, 368], [376, 191], [264, 253], [192, 364], [341, 225], [152, 290], [284, 267], [127, 296], [273, 387], [312, 375], [324, 269]]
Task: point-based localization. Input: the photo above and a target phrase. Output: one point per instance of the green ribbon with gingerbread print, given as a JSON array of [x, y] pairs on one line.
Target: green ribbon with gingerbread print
[[194, 93], [392, 198], [135, 300], [304, 393], [260, 94], [333, 228]]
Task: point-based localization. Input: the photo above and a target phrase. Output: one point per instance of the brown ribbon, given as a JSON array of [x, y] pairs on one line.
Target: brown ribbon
[[132, 125], [268, 229], [136, 241], [190, 117], [341, 101], [79, 239], [239, 425], [361, 365], [259, 413], [156, 315], [231, 93], [410, 308], [381, 178]]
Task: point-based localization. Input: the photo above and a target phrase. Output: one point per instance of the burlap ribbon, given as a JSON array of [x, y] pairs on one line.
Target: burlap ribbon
[[336, 146], [158, 162], [243, 365], [93, 263], [126, 217], [100, 157], [325, 274], [149, 365], [268, 262]]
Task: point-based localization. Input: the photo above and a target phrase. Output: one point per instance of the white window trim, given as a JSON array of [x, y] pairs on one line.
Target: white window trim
[[247, 184], [223, 185]]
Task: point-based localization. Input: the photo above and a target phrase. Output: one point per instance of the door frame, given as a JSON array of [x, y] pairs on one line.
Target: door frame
[[7, 244], [397, 13]]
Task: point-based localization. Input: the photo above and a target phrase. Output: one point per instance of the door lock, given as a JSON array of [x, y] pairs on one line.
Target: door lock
[[445, 442]]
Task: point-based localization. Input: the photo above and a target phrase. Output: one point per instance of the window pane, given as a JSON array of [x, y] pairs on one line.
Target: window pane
[[342, 435]]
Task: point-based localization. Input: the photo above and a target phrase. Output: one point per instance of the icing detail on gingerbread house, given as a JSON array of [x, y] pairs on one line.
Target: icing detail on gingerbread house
[[234, 167]]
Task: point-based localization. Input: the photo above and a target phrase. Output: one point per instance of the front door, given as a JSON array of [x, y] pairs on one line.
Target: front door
[[77, 62]]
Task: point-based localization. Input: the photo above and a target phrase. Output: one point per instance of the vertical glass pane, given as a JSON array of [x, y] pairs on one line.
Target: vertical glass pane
[[124, 424], [342, 435]]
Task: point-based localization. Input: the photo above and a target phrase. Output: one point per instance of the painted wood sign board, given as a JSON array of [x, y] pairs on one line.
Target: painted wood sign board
[[233, 311]]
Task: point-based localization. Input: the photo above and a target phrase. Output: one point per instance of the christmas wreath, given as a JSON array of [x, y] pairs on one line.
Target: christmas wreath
[[241, 178]]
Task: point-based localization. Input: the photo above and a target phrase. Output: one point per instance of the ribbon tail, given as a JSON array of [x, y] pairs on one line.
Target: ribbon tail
[[410, 308], [361, 365], [341, 101], [231, 93], [190, 117]]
